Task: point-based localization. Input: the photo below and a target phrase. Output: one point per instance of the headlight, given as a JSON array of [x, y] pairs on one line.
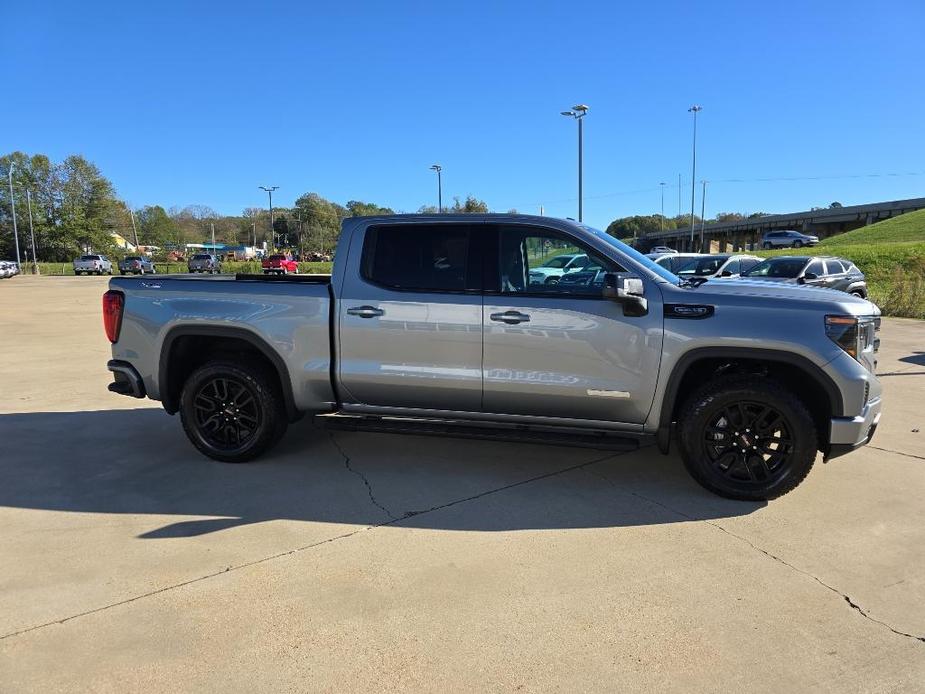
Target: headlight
[[854, 334]]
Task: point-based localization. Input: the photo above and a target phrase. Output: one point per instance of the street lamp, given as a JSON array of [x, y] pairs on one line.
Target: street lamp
[[578, 112], [703, 212], [270, 190], [13, 210], [438, 169], [695, 109]]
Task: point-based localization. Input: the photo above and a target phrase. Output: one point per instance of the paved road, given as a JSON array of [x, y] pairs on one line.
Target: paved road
[[378, 562]]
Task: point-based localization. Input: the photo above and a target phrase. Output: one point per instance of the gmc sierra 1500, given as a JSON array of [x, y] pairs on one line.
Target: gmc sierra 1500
[[432, 322]]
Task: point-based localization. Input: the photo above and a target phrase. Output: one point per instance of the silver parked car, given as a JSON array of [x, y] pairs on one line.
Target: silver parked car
[[787, 239], [8, 268], [204, 262], [93, 265], [716, 265]]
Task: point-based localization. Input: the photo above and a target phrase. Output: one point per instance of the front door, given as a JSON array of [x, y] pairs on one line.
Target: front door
[[561, 349], [410, 324]]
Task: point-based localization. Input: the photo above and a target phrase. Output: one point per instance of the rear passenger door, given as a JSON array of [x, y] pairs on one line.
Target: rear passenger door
[[410, 321]]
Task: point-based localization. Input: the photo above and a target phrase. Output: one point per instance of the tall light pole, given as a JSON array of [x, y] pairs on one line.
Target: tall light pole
[[679, 197], [13, 210], [703, 211], [134, 229], [661, 223], [578, 112], [695, 109], [270, 190], [438, 169], [35, 264]]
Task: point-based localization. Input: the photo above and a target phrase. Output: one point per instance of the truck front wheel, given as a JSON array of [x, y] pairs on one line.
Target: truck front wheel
[[746, 437], [232, 412]]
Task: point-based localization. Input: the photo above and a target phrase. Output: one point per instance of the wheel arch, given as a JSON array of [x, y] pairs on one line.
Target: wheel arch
[[185, 348], [813, 385]]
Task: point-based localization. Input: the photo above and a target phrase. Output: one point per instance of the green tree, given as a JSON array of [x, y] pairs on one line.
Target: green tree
[[155, 227], [355, 208]]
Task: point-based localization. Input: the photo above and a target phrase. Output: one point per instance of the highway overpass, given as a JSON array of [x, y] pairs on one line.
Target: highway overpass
[[746, 234]]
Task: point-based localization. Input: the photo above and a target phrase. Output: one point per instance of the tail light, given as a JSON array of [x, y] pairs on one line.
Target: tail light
[[113, 304], [137, 265]]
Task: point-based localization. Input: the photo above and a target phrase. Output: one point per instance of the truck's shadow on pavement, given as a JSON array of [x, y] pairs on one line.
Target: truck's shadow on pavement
[[139, 462]]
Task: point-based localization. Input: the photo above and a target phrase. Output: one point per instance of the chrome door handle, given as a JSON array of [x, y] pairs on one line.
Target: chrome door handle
[[365, 311], [510, 317]]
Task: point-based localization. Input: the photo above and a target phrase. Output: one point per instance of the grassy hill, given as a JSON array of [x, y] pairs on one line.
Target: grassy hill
[[892, 255]]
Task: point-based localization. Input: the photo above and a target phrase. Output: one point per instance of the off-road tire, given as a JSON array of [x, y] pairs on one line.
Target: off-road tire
[[698, 420], [251, 384]]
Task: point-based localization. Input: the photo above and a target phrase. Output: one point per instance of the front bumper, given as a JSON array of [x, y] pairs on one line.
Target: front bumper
[[849, 433]]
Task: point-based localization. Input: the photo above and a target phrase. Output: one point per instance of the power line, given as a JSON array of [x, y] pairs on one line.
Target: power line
[[766, 179]]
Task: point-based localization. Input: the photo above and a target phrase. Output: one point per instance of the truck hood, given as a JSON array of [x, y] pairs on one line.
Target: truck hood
[[757, 293]]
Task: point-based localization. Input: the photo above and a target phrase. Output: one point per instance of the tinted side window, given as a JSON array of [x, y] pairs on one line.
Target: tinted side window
[[423, 257], [746, 264], [732, 266], [817, 268], [834, 267]]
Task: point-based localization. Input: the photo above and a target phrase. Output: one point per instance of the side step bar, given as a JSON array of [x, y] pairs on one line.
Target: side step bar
[[500, 432]]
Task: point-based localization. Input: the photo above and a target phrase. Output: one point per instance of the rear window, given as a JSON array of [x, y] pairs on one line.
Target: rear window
[[89, 257], [422, 257], [132, 258], [277, 257], [202, 256]]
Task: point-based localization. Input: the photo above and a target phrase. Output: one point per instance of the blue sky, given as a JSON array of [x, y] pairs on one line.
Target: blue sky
[[179, 104]]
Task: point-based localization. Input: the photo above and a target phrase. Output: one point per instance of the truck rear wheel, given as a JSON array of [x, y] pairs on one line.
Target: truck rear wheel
[[232, 412], [746, 437]]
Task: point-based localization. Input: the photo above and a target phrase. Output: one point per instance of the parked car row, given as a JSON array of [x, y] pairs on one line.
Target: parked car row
[[814, 271], [8, 268]]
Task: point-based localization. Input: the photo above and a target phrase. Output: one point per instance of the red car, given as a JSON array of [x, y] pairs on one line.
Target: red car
[[279, 264]]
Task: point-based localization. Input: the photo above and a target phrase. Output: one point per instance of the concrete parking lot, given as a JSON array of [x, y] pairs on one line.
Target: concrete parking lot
[[352, 562]]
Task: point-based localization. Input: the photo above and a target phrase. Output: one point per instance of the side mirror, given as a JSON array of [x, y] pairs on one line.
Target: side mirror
[[628, 290], [726, 273], [810, 276]]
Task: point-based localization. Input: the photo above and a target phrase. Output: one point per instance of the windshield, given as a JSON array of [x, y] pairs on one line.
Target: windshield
[[777, 267], [277, 257], [702, 266], [633, 253], [89, 257], [131, 258], [201, 256], [558, 261]]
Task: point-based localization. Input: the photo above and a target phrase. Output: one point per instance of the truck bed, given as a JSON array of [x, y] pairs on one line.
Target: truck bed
[[288, 315]]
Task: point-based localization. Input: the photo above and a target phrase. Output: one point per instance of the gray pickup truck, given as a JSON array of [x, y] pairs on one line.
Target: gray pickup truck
[[432, 324]]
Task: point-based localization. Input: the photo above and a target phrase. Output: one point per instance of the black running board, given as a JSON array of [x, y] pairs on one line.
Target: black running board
[[600, 440]]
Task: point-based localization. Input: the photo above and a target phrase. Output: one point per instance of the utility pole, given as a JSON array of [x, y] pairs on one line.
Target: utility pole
[[35, 265], [695, 109], [439, 169], [662, 220], [679, 197], [703, 208], [13, 210], [212, 224], [134, 230]]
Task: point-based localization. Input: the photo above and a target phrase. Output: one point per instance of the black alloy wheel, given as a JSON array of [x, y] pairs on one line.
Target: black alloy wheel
[[232, 412], [747, 437], [748, 442]]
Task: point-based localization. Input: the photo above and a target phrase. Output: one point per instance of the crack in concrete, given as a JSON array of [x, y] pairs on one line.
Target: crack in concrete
[[369, 487], [393, 520], [778, 559], [887, 450]]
